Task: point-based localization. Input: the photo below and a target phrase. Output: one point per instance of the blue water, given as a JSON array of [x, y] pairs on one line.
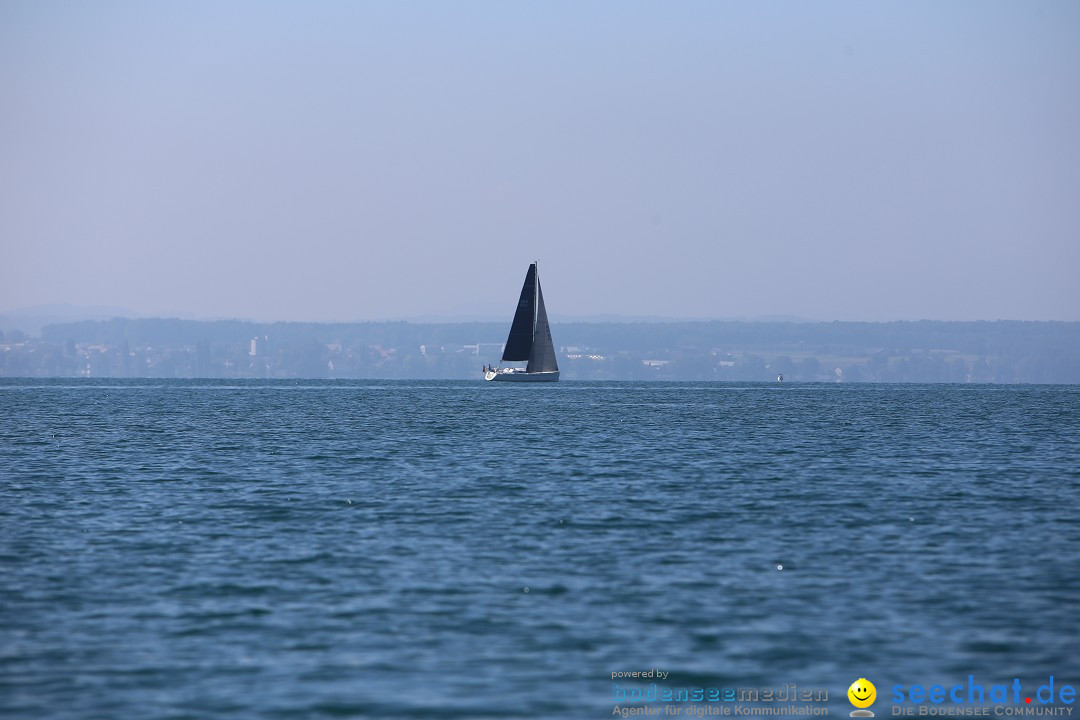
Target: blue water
[[192, 549]]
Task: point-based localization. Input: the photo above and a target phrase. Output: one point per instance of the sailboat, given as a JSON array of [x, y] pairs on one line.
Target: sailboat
[[529, 339]]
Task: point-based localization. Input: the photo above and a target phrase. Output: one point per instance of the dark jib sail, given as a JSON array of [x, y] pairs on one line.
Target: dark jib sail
[[520, 341], [542, 358]]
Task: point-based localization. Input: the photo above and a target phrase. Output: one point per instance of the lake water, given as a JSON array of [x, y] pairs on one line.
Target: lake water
[[203, 549]]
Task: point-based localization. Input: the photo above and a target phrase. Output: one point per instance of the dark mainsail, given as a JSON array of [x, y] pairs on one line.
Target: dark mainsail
[[542, 358], [520, 341]]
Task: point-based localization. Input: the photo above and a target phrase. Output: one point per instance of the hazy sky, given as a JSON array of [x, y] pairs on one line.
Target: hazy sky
[[365, 160]]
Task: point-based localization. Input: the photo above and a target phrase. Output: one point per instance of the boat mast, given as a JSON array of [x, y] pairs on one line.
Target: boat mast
[[536, 295]]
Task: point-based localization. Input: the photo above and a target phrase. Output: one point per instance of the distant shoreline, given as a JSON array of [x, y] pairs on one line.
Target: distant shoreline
[[1007, 351]]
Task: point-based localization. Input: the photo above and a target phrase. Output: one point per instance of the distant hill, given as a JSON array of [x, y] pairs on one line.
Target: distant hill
[[31, 320], [925, 351]]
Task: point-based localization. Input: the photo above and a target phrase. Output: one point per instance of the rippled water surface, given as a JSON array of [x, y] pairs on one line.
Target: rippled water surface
[[305, 550]]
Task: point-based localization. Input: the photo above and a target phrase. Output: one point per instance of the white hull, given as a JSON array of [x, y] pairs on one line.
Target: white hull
[[514, 375]]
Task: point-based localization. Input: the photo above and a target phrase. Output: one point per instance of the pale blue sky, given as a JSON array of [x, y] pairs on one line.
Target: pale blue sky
[[349, 160]]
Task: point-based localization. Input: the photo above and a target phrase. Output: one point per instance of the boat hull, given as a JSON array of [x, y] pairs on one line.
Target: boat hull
[[510, 376]]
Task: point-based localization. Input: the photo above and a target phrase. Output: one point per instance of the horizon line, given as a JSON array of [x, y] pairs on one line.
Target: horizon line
[[42, 319]]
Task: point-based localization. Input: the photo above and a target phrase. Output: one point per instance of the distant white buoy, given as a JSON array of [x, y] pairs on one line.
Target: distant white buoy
[[779, 567]]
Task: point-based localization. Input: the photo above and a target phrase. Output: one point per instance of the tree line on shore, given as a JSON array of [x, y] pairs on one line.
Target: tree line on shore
[[925, 351]]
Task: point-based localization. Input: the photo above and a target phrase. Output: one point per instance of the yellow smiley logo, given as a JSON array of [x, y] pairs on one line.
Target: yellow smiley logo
[[862, 693]]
